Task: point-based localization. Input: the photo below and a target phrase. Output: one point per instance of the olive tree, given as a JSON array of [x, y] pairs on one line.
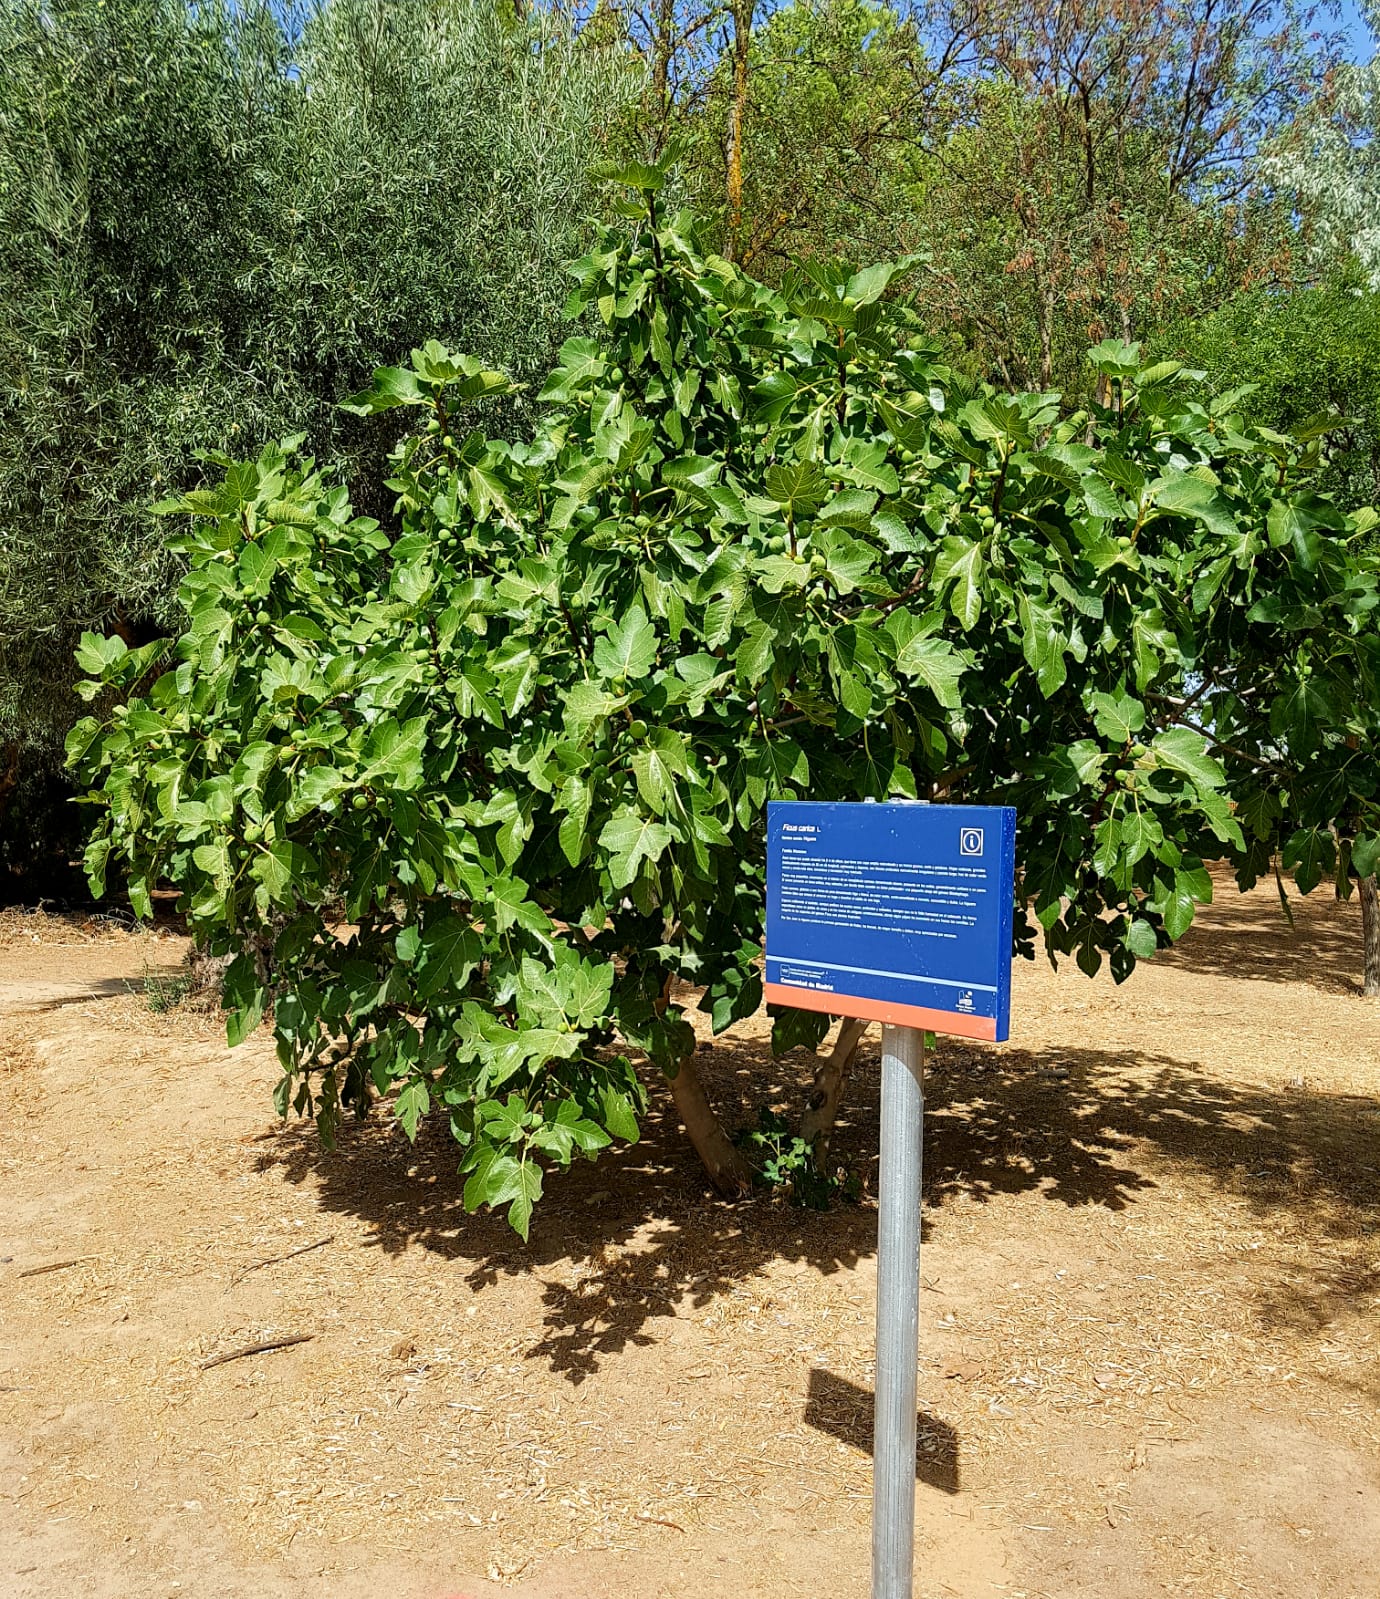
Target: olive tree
[[216, 218]]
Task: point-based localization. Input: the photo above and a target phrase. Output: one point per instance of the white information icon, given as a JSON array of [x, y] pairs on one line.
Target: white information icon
[[970, 841]]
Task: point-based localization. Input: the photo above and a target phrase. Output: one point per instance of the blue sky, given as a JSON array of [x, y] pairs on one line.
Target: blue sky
[[1358, 36]]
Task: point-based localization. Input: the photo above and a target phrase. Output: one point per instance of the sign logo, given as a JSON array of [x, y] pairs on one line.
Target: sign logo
[[970, 841]]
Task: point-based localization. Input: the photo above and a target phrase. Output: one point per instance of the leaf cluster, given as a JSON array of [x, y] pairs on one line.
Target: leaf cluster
[[787, 1161]]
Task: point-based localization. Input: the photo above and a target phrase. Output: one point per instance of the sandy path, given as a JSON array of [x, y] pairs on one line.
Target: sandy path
[[1149, 1358]]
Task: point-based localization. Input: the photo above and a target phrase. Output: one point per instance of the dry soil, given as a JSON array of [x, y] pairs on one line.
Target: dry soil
[[1148, 1344]]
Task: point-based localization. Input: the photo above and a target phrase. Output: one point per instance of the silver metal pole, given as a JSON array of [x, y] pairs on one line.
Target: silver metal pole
[[898, 1312]]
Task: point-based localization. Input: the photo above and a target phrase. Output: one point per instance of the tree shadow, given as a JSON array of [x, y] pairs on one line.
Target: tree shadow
[[845, 1411], [640, 1233], [85, 992], [640, 1236], [1248, 935], [1058, 1119], [1088, 1126]]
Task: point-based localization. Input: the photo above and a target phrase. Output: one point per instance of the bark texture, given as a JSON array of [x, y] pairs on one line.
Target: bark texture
[[661, 68], [1370, 933], [831, 1077], [727, 1166]]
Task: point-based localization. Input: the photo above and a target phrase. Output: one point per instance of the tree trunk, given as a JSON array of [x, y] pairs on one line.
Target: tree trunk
[[831, 1075], [727, 1166], [1047, 309], [661, 70], [1370, 932], [207, 973], [737, 116]]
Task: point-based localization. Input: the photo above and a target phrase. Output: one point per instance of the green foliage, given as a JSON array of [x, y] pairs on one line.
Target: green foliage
[[464, 795], [217, 218], [1298, 358], [1327, 161], [782, 1159], [109, 205]]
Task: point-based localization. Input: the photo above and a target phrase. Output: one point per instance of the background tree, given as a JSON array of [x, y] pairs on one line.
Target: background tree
[[839, 95], [1328, 161], [214, 219], [1074, 171], [131, 143], [1102, 170], [1309, 355]]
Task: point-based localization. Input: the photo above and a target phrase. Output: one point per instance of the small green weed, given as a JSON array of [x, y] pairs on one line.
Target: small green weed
[[166, 991], [785, 1160]]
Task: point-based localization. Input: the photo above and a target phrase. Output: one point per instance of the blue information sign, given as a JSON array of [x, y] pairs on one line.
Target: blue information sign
[[898, 912]]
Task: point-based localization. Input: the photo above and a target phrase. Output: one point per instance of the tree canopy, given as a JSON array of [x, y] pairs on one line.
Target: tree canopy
[[298, 193], [465, 796]]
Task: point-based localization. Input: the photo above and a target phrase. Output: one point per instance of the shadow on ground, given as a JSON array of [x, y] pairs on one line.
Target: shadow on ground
[[844, 1411], [642, 1223], [37, 998], [1081, 1127], [1250, 936]]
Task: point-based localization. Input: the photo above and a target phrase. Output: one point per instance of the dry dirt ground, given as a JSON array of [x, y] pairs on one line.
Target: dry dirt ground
[[1148, 1346]]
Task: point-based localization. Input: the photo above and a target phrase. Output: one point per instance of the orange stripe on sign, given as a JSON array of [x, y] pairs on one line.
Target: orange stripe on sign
[[881, 1010]]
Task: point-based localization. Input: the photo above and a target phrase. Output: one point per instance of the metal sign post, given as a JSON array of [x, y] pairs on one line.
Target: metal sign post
[[898, 1312], [898, 913]]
